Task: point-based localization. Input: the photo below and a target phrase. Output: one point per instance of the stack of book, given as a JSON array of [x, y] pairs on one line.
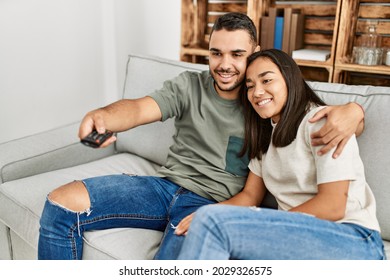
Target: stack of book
[[282, 29]]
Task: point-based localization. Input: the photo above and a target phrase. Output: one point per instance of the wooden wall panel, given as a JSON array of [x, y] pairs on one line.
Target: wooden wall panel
[[377, 11], [316, 23], [227, 7]]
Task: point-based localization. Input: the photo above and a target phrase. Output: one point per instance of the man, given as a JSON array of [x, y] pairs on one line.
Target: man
[[202, 166]]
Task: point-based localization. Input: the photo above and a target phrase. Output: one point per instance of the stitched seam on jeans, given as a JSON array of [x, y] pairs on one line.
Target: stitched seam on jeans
[[122, 216]]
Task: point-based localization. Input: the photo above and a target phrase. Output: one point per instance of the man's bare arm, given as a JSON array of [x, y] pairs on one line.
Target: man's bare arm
[[342, 122], [120, 116]]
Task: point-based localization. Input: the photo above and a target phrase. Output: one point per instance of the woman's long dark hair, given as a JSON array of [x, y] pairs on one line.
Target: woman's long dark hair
[[258, 131]]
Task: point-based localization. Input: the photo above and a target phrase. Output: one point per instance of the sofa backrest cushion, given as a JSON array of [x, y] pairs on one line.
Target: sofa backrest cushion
[[144, 75], [374, 143]]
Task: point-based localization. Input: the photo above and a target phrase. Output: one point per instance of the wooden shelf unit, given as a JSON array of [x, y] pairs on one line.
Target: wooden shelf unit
[[361, 13], [320, 32], [327, 26], [197, 19]]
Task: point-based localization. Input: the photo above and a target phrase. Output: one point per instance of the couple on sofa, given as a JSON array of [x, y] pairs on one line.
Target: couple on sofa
[[274, 124]]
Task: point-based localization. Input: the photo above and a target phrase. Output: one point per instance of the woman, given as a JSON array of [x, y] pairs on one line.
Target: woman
[[326, 208]]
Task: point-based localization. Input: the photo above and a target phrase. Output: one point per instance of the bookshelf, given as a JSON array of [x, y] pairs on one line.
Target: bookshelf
[[320, 32], [320, 28], [197, 18], [327, 25], [357, 15]]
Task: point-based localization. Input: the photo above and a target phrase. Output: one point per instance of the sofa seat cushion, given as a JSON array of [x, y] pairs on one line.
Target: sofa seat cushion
[[121, 244], [21, 204]]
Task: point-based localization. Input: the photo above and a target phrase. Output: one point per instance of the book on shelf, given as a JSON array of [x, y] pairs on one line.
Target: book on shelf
[[278, 37], [282, 29], [296, 31], [268, 29], [287, 29], [265, 33], [311, 54]]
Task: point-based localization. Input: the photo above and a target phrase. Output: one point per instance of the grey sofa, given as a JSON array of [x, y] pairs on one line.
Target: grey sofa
[[32, 166]]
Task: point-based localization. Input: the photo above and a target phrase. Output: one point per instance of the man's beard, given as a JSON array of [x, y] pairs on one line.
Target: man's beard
[[235, 85]]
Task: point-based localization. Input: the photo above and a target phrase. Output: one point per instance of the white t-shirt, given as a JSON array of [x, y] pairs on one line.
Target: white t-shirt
[[292, 174]]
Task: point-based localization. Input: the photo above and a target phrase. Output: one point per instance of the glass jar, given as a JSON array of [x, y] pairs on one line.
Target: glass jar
[[368, 50], [367, 56], [387, 61], [371, 39]]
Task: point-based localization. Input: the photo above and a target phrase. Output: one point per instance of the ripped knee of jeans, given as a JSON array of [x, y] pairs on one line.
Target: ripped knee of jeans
[[87, 212], [73, 197]]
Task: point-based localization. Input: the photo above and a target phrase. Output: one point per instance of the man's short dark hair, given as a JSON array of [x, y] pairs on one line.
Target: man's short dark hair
[[236, 21]]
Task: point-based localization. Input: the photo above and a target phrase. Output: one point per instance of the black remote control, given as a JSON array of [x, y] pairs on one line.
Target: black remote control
[[94, 139]]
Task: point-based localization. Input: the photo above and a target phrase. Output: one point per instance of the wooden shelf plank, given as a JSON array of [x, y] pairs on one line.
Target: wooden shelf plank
[[374, 69], [311, 63], [194, 51]]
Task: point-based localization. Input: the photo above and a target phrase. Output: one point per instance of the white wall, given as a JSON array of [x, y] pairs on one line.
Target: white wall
[[150, 27], [61, 58]]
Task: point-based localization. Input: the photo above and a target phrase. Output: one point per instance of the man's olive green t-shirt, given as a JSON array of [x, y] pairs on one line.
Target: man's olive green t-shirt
[[209, 135]]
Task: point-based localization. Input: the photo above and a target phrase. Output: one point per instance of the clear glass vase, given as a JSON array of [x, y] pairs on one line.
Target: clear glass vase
[[368, 50], [371, 39]]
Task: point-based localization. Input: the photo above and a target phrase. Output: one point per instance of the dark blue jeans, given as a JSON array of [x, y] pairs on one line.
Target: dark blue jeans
[[118, 201]]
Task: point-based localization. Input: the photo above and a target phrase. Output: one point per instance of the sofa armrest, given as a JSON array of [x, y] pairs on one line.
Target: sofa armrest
[[46, 151]]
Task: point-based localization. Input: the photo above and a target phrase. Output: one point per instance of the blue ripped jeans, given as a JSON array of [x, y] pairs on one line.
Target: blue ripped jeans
[[220, 232], [118, 201]]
